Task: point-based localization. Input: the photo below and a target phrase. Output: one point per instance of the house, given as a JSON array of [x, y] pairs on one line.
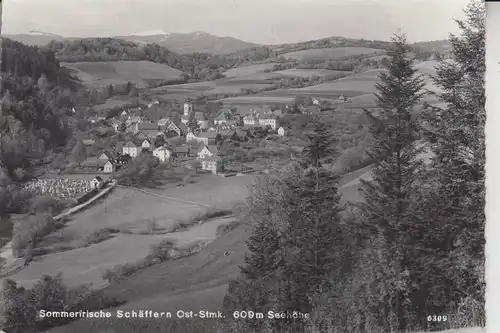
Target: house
[[296, 151], [181, 151], [316, 102], [163, 122], [97, 182], [162, 153], [115, 123], [251, 119], [106, 156], [109, 167], [150, 105], [140, 136], [146, 144], [124, 113], [281, 131], [208, 151], [190, 136], [174, 129], [202, 120], [209, 138], [269, 120], [131, 149], [226, 117], [194, 149], [213, 163], [341, 99]]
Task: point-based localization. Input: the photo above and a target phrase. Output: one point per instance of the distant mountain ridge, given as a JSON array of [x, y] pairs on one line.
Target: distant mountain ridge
[[196, 42]]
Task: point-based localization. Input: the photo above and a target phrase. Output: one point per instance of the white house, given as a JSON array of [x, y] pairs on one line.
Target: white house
[[251, 119], [316, 101], [124, 113], [162, 153], [109, 167], [146, 144], [131, 149], [150, 105], [97, 182], [190, 136], [281, 131], [213, 163], [269, 120], [208, 151]]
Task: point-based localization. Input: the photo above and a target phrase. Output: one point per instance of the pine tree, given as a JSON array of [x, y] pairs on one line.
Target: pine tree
[[78, 153], [387, 202], [454, 218]]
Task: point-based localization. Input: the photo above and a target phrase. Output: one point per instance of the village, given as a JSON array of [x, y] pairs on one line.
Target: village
[[197, 139]]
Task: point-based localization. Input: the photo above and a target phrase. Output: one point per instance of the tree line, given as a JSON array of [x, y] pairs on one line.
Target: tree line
[[409, 256]]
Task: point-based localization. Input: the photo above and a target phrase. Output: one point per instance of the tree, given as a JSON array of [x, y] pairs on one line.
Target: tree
[[454, 220], [387, 212], [78, 153], [19, 312]]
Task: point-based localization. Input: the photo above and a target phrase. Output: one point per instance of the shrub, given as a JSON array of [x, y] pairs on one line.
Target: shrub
[[35, 227], [224, 228], [162, 250], [99, 236]]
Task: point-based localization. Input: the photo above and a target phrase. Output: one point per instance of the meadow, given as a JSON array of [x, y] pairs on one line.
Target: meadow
[[249, 69], [305, 73], [133, 212], [141, 73], [331, 53]]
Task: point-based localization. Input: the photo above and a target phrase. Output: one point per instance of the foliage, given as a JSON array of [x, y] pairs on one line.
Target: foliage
[[142, 171]]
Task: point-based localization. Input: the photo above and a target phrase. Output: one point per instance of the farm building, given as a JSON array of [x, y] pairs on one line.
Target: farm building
[[131, 149], [162, 153], [208, 151], [97, 182], [109, 167]]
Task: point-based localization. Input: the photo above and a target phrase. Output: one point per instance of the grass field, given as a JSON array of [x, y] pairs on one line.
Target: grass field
[[247, 70], [331, 53], [298, 72], [142, 73], [128, 209], [115, 101]]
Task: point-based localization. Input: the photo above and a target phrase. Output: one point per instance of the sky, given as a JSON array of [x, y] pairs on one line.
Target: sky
[[258, 21]]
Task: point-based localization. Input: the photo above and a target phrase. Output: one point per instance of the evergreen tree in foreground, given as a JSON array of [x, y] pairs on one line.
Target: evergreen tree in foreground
[[386, 209], [453, 218]]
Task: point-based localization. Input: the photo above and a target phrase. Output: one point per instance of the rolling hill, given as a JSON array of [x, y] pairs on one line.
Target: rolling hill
[[141, 73], [199, 41], [196, 42]]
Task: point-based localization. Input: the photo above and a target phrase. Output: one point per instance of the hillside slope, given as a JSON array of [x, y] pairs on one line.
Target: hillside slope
[[196, 42]]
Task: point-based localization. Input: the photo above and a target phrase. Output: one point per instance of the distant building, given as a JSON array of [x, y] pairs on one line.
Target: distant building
[[269, 120], [105, 156], [226, 117], [162, 153], [131, 149], [146, 144], [163, 122], [341, 99], [281, 131], [181, 151], [251, 119], [96, 182], [213, 164], [209, 138], [208, 151], [316, 101], [109, 167]]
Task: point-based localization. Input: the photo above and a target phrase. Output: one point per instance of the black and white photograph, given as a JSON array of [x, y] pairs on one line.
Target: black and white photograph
[[232, 166]]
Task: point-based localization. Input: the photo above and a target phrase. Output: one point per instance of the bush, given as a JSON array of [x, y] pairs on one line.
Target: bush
[[46, 203], [224, 228], [162, 250], [99, 236]]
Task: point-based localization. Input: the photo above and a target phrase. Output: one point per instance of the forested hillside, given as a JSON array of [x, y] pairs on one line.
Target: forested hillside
[[199, 66]]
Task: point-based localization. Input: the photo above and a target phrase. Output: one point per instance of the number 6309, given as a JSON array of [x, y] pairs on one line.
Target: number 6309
[[437, 318]]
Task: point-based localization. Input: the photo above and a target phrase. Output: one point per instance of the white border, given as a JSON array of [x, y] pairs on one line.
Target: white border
[[492, 167]]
